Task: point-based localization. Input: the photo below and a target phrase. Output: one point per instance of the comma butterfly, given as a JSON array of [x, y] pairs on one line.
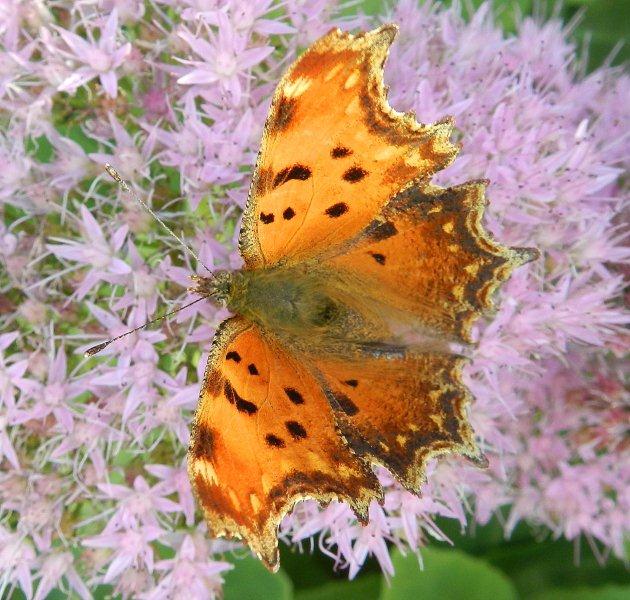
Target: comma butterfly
[[360, 279]]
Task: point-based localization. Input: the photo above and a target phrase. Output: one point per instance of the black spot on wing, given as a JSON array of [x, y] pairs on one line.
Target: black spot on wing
[[336, 210], [351, 382], [299, 172], [346, 405], [382, 231], [288, 214], [294, 395], [340, 152], [252, 369], [378, 257], [296, 430], [354, 174], [267, 218], [233, 355], [274, 441], [234, 397], [246, 406]]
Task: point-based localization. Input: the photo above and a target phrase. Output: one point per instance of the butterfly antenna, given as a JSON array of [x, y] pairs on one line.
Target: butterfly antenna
[[96, 349], [124, 186]]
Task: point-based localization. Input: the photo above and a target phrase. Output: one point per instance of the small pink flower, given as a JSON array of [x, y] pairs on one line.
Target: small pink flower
[[175, 480], [95, 251], [130, 157], [54, 396], [100, 58], [132, 549], [225, 58], [137, 506], [54, 569], [188, 574], [18, 559]]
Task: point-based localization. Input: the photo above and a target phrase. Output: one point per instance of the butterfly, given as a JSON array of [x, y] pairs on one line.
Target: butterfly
[[353, 310]]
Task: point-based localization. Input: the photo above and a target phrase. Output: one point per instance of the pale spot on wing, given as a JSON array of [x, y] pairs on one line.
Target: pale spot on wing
[[458, 292], [352, 80], [414, 159], [266, 483], [255, 502], [333, 72], [437, 419], [385, 153], [453, 247], [401, 439], [235, 500], [384, 446], [205, 468], [448, 227], [296, 88], [353, 107], [472, 269], [413, 427], [435, 209], [345, 471]]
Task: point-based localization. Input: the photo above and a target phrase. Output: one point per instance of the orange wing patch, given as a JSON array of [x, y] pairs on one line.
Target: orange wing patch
[[401, 412], [333, 151], [428, 254], [264, 438]]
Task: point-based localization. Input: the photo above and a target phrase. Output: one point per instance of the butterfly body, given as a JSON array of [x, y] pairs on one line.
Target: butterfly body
[[301, 305], [361, 280]]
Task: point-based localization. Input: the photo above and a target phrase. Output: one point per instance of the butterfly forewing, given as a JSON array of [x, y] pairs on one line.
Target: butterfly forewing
[[333, 151]]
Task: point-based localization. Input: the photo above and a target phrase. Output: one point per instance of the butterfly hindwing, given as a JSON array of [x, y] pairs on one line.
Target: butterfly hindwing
[[333, 151], [399, 412], [265, 437], [427, 254]]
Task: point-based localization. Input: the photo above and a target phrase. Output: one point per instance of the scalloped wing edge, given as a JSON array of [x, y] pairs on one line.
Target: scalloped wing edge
[[475, 201], [415, 477]]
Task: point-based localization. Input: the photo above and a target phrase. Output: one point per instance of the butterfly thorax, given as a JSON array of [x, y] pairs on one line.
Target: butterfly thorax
[[286, 301]]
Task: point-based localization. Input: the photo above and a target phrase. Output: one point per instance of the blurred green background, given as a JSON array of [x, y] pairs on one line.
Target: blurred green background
[[482, 564]]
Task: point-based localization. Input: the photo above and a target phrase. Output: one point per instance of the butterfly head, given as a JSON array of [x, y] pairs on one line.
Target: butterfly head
[[217, 287]]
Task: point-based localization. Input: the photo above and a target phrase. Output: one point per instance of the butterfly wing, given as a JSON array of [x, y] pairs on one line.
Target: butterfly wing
[[427, 254], [264, 437], [333, 151], [399, 412]]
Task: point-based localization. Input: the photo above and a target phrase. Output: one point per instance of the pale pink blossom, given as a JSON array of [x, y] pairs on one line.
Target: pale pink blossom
[[225, 58], [100, 57], [95, 251], [132, 548], [55, 568]]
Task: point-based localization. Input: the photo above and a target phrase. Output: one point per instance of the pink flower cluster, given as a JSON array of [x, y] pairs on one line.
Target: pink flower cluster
[[174, 94]]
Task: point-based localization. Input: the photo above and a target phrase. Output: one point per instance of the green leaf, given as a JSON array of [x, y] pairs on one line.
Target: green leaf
[[366, 587], [249, 579], [448, 575], [609, 592]]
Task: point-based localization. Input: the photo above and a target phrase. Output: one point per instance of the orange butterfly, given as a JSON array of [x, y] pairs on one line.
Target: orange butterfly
[[360, 279]]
